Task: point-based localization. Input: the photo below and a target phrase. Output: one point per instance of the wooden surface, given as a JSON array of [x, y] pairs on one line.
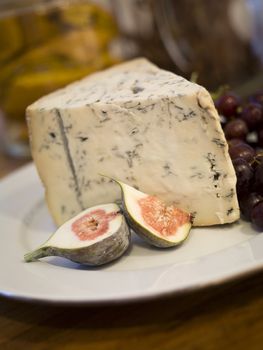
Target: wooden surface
[[229, 316]]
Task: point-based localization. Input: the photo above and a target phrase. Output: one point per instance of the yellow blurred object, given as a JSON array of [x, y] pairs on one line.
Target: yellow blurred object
[[11, 43], [30, 86], [98, 21], [37, 28], [47, 50], [50, 67]]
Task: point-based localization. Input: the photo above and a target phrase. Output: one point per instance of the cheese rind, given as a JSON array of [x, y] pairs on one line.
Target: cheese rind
[[142, 125]]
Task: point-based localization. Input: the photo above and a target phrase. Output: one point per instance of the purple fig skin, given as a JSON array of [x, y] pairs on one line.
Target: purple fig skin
[[102, 252]]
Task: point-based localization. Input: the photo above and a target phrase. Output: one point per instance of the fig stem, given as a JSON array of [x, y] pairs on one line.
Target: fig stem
[[35, 255]]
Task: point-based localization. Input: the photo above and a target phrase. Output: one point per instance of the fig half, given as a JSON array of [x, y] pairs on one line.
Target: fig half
[[96, 236], [159, 224]]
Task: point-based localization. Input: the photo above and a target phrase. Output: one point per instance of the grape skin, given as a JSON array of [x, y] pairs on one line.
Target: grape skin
[[247, 160], [260, 138], [234, 142], [244, 173], [258, 178], [257, 97], [228, 104], [242, 150], [248, 203], [252, 115], [257, 215], [236, 129]]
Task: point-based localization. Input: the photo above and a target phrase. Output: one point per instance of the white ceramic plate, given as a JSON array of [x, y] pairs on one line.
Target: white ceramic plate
[[209, 256]]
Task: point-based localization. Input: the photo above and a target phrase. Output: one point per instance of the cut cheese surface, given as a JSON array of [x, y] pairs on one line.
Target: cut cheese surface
[[139, 124]]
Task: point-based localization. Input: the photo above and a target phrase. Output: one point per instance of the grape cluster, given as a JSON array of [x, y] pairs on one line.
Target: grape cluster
[[242, 122]]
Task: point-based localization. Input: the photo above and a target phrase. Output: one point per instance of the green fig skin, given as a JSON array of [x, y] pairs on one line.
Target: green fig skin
[[102, 252]]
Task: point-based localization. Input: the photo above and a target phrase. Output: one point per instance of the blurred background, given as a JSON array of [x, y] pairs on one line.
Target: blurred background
[[46, 44]]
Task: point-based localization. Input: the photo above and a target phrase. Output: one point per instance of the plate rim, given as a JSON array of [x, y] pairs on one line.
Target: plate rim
[[136, 298], [246, 271]]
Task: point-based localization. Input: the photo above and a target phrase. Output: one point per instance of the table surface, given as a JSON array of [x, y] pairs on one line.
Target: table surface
[[228, 316]]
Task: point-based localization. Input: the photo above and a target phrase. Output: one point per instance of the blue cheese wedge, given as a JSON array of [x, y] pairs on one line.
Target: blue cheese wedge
[[139, 124]]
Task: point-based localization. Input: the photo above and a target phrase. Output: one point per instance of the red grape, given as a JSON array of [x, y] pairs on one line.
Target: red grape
[[242, 150], [234, 142], [257, 215], [258, 183], [252, 114], [260, 138], [236, 129], [244, 173], [248, 203], [244, 132], [257, 97], [228, 104]]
